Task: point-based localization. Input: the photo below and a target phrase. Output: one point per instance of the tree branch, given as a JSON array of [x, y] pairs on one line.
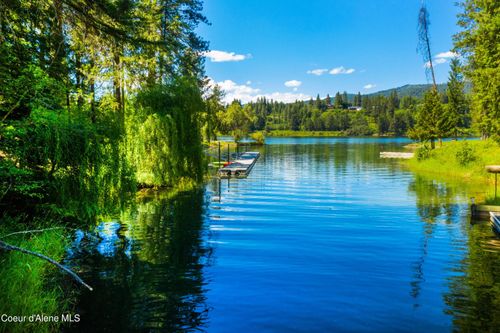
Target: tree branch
[[30, 231], [9, 247]]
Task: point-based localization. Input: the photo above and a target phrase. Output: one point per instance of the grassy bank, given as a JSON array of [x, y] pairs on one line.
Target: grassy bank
[[285, 133], [29, 285], [459, 160]]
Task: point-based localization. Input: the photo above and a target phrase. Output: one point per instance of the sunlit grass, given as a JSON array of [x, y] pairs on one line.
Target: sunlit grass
[[445, 161], [29, 285]]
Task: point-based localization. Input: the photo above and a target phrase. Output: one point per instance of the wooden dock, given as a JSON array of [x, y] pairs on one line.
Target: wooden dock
[[241, 166], [484, 211]]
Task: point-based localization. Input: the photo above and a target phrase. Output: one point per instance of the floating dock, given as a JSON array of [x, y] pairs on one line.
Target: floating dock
[[495, 220], [241, 166], [394, 154]]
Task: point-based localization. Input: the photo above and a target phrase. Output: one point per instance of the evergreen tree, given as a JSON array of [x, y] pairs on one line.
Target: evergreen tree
[[478, 43], [428, 118], [338, 103], [358, 102], [328, 100], [345, 100], [458, 111]]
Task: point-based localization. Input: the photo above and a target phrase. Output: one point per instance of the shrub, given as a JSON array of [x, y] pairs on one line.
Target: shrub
[[465, 154], [423, 153], [258, 137]]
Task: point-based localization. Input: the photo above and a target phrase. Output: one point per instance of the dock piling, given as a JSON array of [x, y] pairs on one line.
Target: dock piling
[[219, 155]]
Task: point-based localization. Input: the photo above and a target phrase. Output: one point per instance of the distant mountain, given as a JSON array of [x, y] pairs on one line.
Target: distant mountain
[[413, 90]]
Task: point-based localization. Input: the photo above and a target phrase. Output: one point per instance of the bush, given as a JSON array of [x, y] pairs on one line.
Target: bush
[[465, 154], [258, 137], [423, 153]]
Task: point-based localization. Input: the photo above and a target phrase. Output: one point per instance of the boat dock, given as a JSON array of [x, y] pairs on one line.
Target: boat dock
[[495, 220], [241, 166]]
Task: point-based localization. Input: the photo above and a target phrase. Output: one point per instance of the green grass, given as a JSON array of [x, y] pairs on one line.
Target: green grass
[[460, 160], [29, 285], [289, 133]]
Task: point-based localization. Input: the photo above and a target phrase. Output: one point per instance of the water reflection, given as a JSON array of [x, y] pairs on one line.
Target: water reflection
[[436, 203], [146, 268], [473, 296]]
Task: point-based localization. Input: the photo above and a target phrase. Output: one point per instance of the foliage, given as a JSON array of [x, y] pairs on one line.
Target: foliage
[[443, 161], [213, 108], [478, 43], [237, 120], [29, 285], [164, 138], [465, 154], [258, 137], [428, 119], [458, 107], [75, 76], [423, 153]]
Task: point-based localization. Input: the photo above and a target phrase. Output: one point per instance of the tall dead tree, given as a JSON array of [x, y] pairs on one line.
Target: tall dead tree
[[424, 43]]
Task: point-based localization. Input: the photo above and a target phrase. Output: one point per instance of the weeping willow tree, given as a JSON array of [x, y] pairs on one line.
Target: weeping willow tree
[[163, 134]]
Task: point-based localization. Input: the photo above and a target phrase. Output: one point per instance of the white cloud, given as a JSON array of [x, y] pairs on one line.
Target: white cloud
[[248, 83], [295, 89], [285, 97], [441, 58], [293, 83], [245, 93], [446, 55], [370, 86], [318, 72], [435, 62], [223, 56], [341, 70]]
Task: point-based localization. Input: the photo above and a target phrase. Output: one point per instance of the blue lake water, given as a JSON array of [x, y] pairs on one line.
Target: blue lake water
[[323, 236]]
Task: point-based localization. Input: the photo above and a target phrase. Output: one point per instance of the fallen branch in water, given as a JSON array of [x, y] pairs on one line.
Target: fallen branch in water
[[9, 247]]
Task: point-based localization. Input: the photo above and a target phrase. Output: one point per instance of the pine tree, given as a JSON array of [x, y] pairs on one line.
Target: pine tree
[[478, 43], [338, 103], [457, 108], [428, 118], [345, 99]]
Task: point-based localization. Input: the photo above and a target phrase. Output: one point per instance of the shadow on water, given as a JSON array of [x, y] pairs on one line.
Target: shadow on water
[[146, 268]]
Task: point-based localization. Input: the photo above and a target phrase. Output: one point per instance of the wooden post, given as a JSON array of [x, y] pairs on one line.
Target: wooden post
[[219, 155], [496, 170], [228, 155]]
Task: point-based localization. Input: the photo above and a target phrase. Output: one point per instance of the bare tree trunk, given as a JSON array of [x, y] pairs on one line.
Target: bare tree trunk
[[424, 44]]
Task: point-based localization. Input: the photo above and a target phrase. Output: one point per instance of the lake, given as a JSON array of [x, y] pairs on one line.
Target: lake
[[323, 236]]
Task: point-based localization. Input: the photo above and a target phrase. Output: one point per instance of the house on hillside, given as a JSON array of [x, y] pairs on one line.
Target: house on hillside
[[355, 108]]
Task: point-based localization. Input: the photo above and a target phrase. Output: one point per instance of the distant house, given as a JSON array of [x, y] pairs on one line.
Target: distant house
[[355, 108]]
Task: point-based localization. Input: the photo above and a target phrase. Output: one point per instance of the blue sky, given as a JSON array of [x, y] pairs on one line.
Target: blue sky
[[294, 49]]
